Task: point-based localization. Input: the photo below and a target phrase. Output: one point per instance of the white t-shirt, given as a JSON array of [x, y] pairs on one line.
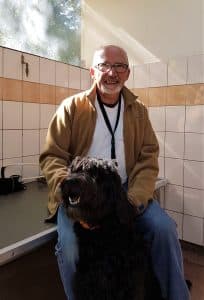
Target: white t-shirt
[[101, 143]]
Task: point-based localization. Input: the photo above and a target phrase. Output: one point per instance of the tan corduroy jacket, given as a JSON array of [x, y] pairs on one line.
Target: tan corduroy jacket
[[70, 134]]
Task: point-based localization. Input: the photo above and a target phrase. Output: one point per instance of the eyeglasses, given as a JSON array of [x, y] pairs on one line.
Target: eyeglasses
[[105, 67]]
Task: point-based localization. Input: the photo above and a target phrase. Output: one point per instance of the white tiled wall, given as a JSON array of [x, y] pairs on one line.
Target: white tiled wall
[[23, 125], [30, 170], [130, 82], [180, 132], [174, 198], [1, 145], [141, 76], [161, 139], [46, 113], [62, 74], [74, 77], [184, 168], [180, 129], [12, 115], [193, 229], [157, 116], [43, 133], [12, 143], [31, 115], [33, 68], [196, 69], [85, 79], [194, 146], [175, 118], [1, 132], [158, 74], [194, 202], [47, 71], [178, 218], [12, 64], [177, 71], [1, 117], [161, 166], [174, 144], [193, 174], [30, 142], [174, 170], [195, 119], [1, 62]]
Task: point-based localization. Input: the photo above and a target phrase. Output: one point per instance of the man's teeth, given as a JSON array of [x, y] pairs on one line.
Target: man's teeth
[[111, 82]]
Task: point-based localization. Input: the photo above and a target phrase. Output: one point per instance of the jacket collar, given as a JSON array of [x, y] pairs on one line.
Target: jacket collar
[[129, 97]]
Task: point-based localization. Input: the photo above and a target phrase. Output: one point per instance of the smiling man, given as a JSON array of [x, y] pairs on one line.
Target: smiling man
[[109, 122], [113, 72]]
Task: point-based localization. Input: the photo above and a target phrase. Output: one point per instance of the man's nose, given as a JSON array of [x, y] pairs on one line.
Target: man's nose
[[112, 71]]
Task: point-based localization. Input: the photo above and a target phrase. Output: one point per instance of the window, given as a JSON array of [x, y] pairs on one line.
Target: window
[[48, 28]]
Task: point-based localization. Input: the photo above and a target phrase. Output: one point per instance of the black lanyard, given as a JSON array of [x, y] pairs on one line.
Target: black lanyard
[[105, 116]]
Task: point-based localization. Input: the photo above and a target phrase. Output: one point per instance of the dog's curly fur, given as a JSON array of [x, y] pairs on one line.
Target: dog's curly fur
[[113, 261]]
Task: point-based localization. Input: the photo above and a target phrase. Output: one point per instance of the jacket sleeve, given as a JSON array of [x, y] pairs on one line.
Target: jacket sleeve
[[55, 157], [142, 178]]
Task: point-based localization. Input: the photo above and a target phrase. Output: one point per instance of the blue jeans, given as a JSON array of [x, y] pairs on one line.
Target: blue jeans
[[158, 229]]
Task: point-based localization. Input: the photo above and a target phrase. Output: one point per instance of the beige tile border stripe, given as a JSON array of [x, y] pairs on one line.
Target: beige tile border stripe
[[189, 94], [19, 90]]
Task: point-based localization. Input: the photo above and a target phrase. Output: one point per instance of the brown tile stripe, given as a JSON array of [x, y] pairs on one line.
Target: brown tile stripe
[[157, 96], [73, 91], [190, 94], [1, 91], [61, 93], [47, 94], [142, 94], [195, 94], [176, 95], [151, 96], [12, 89], [18, 90], [31, 92]]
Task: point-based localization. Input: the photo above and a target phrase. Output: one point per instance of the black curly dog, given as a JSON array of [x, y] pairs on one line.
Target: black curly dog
[[113, 260]]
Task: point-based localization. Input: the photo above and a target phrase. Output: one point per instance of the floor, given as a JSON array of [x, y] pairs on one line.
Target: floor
[[32, 277], [35, 275], [194, 268]]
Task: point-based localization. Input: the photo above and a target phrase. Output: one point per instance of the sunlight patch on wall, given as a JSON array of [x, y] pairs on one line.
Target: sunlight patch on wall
[[102, 31]]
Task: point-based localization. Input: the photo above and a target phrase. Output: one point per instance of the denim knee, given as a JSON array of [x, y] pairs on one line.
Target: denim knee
[[164, 227], [155, 222], [67, 242]]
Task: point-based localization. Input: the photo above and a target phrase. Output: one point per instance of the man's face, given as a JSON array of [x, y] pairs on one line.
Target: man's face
[[110, 81]]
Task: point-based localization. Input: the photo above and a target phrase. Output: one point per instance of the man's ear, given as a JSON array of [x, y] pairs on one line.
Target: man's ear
[[92, 71], [128, 73]]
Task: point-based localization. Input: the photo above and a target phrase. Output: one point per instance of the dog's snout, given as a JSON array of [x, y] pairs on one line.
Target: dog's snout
[[74, 201], [70, 189]]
